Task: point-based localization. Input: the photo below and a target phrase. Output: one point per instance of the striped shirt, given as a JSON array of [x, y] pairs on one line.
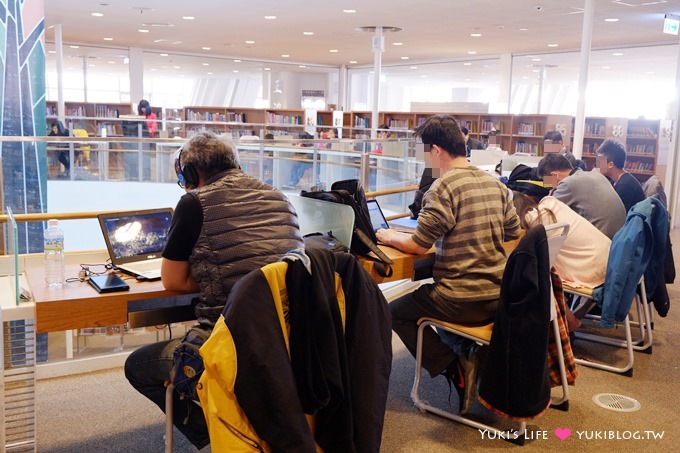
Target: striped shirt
[[469, 214]]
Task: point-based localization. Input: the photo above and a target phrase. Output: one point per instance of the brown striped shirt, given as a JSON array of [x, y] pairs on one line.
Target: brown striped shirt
[[469, 214]]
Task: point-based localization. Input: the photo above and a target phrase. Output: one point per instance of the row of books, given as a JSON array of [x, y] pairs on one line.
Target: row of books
[[277, 118], [528, 129], [595, 128], [636, 165], [641, 131], [527, 148], [641, 149]]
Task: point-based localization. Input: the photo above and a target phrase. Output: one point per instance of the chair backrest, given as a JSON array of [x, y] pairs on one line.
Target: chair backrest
[[557, 233]]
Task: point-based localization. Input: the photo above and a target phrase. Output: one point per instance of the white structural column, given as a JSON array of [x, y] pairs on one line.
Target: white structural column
[[505, 83], [58, 44], [672, 171], [378, 49], [586, 41], [342, 88], [136, 70]]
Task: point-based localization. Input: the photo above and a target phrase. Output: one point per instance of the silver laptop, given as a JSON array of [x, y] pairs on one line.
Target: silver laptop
[[378, 219], [135, 240]]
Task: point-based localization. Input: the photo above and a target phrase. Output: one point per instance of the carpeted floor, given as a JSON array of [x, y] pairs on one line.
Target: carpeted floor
[[100, 412]]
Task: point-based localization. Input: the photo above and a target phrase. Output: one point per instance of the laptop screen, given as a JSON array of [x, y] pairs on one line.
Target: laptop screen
[[135, 235], [377, 217]]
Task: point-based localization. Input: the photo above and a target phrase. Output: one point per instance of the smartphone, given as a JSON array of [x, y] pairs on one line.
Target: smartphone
[[107, 283]]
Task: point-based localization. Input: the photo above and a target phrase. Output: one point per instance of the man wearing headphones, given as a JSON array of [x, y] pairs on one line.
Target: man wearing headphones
[[227, 224]]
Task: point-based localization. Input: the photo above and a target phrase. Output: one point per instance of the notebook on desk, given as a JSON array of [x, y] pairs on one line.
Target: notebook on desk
[[135, 240], [378, 219]]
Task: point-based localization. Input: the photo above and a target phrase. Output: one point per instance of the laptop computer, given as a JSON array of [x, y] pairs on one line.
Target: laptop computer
[[378, 219], [135, 240]]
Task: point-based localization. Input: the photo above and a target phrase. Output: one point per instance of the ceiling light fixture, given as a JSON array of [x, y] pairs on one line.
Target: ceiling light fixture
[[143, 30], [250, 41], [108, 39], [352, 61], [97, 14], [475, 35], [611, 19], [397, 43], [188, 17], [333, 50], [74, 47], [523, 29], [237, 61], [308, 33], [270, 17], [617, 54], [285, 55], [553, 45], [472, 52], [205, 64], [164, 55], [404, 58], [206, 48], [467, 63], [349, 11]]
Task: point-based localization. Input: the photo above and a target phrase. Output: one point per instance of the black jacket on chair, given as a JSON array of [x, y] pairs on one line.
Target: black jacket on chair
[[515, 381]]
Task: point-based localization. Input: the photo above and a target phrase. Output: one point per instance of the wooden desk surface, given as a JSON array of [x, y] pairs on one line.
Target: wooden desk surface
[[78, 305], [403, 267]]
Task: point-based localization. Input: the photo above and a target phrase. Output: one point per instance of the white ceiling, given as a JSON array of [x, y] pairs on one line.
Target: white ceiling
[[430, 29]]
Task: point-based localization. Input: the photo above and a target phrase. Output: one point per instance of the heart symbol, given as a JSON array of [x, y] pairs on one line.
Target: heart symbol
[[563, 433]]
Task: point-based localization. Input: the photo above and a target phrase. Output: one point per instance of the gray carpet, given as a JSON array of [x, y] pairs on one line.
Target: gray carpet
[[100, 412]]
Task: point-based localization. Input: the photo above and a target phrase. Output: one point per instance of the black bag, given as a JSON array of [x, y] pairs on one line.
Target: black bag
[[188, 365], [325, 241], [350, 192]]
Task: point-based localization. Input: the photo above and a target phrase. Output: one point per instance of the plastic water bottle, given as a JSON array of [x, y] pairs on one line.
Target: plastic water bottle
[[54, 255]]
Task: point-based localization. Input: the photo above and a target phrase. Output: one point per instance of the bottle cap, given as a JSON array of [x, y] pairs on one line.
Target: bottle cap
[[53, 223]]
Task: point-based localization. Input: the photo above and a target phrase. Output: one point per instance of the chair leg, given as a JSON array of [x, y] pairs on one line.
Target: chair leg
[[562, 402], [168, 418], [626, 369], [521, 432]]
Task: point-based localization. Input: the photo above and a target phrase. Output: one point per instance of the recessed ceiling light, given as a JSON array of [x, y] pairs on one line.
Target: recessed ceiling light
[[467, 64], [108, 38], [536, 59], [333, 50], [472, 52], [352, 62], [188, 17], [397, 43], [404, 58], [475, 35], [535, 70], [205, 48], [308, 33], [97, 14], [237, 61], [176, 67], [111, 62], [523, 29], [606, 67], [143, 30], [553, 45], [611, 19], [414, 67], [74, 47], [270, 17], [284, 55], [267, 69], [349, 11], [302, 66], [209, 73], [163, 55], [235, 71], [205, 64], [250, 41], [617, 54]]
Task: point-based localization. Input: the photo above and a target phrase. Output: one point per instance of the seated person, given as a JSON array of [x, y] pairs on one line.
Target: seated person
[[470, 143], [555, 137], [226, 225], [582, 259], [468, 214], [611, 159], [588, 193]]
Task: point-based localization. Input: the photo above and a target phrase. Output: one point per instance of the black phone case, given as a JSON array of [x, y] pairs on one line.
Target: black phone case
[[108, 283]]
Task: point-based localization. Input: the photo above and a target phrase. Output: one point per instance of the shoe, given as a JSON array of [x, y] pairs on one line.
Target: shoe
[[456, 378], [469, 362]]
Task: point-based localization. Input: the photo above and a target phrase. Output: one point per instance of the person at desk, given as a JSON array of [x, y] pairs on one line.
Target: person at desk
[[226, 225], [468, 214], [144, 109], [58, 130], [470, 143], [611, 156], [554, 137], [588, 193]]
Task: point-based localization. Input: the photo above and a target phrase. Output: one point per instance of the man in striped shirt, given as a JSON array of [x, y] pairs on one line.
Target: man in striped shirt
[[468, 214]]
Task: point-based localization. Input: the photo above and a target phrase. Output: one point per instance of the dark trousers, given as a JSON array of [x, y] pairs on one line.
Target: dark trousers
[[147, 369], [408, 309]]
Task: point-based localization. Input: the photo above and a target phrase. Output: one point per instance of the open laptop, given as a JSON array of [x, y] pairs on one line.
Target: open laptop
[[135, 240], [378, 219]]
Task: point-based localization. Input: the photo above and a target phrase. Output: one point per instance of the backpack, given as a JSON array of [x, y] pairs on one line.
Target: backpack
[[351, 193], [188, 363]]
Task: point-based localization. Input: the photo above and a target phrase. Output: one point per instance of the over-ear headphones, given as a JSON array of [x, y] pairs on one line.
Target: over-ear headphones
[[187, 176]]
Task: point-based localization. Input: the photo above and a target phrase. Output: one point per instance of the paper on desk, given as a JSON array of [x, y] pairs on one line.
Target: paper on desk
[[8, 291]]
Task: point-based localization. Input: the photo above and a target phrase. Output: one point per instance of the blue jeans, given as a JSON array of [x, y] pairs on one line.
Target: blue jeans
[[437, 352], [148, 369]]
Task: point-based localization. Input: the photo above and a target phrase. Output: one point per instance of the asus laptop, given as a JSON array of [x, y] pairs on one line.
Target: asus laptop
[[135, 240]]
